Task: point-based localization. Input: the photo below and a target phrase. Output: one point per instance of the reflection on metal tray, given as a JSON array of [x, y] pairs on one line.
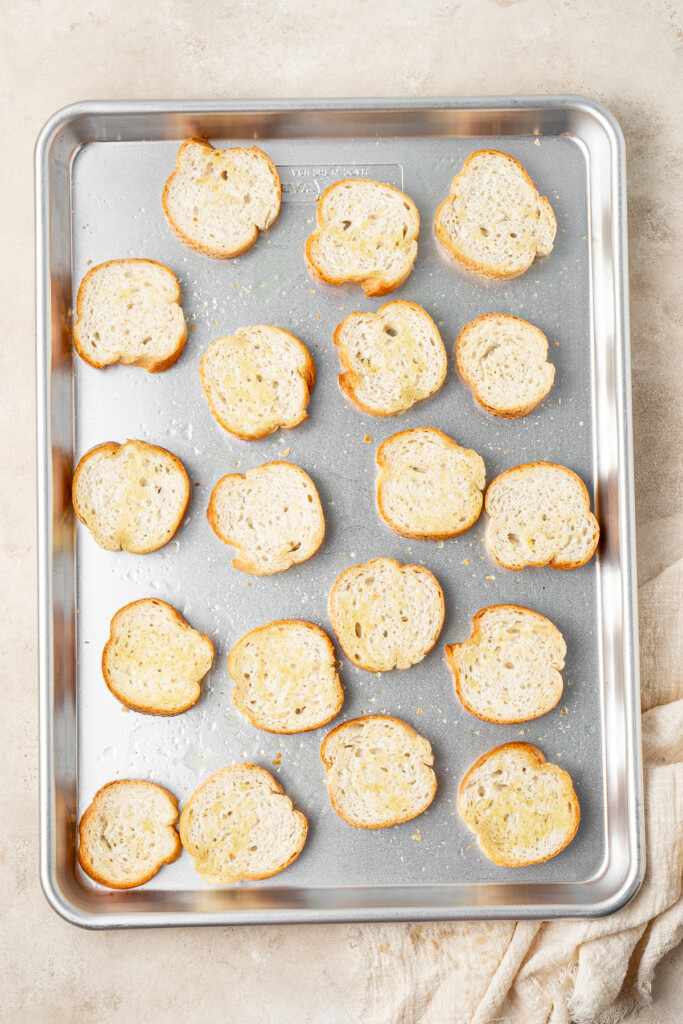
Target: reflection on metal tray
[[100, 171]]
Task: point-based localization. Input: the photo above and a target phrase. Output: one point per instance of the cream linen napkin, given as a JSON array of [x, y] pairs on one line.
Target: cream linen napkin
[[587, 972]]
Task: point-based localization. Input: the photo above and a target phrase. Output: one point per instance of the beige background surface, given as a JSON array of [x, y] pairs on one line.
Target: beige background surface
[[625, 54]]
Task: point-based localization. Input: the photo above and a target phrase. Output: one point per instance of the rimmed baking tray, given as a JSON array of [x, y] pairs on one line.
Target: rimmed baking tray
[[100, 169]]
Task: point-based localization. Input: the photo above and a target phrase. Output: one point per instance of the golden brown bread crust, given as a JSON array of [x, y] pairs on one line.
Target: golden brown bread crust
[[347, 378], [481, 270], [328, 764], [147, 363], [243, 707], [422, 535], [105, 671], [308, 374], [206, 250], [337, 626], [241, 562], [374, 285], [507, 414], [109, 447], [83, 856], [540, 759], [553, 565], [452, 648], [276, 788]]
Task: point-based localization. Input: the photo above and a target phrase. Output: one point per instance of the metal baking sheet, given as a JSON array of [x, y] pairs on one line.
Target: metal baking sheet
[[100, 172]]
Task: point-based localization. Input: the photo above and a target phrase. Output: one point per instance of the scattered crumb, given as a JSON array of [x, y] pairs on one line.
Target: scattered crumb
[[417, 836], [192, 326], [419, 711], [556, 344], [521, 732], [440, 544], [490, 577], [506, 452], [367, 439], [465, 561], [278, 759], [197, 484], [285, 451], [312, 290], [469, 847], [537, 142], [564, 711]]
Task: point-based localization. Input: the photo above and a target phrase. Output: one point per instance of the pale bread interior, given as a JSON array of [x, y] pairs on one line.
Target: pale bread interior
[[239, 824], [154, 660], [127, 833], [391, 359], [522, 809], [272, 516], [378, 771], [131, 496], [503, 359], [494, 220], [217, 200], [539, 515], [129, 311], [285, 677], [257, 380], [367, 233], [428, 486], [509, 669], [386, 615]]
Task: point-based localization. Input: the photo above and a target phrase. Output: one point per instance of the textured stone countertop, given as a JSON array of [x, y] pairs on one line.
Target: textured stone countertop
[[627, 56]]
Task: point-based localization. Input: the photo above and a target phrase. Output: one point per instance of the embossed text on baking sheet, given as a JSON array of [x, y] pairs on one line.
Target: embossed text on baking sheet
[[305, 183]]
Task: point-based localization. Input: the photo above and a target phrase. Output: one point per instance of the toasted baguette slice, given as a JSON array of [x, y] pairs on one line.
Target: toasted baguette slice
[[154, 660], [257, 380], [391, 359], [494, 222], [129, 312], [378, 771], [386, 615], [522, 810], [503, 359], [366, 234], [540, 515], [428, 487], [131, 496], [127, 833], [272, 516], [509, 669], [217, 200], [285, 678], [239, 824]]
